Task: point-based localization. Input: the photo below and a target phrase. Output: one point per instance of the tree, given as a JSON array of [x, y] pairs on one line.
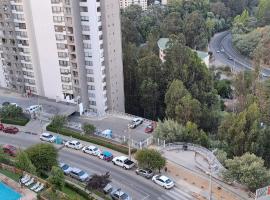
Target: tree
[[221, 155], [150, 158], [23, 162], [88, 128], [10, 111], [57, 178], [263, 13], [43, 156], [223, 88], [98, 182], [3, 156], [248, 170], [195, 31], [58, 122]]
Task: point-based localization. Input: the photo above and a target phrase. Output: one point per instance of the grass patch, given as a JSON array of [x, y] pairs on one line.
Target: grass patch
[[92, 139], [21, 121], [11, 175]]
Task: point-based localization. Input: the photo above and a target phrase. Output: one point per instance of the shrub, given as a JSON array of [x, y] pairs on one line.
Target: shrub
[[91, 139], [78, 190], [21, 121], [89, 128]]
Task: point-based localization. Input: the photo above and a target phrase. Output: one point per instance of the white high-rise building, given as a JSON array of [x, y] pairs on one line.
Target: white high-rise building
[[69, 50], [126, 3]]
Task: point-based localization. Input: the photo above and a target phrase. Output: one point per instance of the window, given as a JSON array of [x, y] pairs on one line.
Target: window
[[57, 9], [62, 54], [84, 19], [91, 87], [93, 103], [64, 71], [61, 46], [66, 87], [56, 1], [90, 79], [89, 71], [88, 63], [59, 28], [86, 37], [63, 63], [58, 19], [65, 79], [85, 28], [84, 9], [88, 54], [60, 37], [87, 46]]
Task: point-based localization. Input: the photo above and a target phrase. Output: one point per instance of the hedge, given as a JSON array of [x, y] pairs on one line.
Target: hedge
[[78, 190], [91, 139], [22, 121]]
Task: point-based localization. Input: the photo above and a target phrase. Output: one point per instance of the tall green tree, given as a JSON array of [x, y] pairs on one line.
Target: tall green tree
[[248, 170], [23, 162], [58, 122], [263, 12], [57, 178], [43, 156], [150, 158]]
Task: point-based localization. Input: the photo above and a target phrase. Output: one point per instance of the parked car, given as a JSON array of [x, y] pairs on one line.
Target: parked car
[[92, 150], [33, 109], [65, 167], [150, 127], [14, 104], [11, 130], [163, 181], [135, 122], [106, 155], [79, 174], [74, 144], [1, 127], [108, 189], [123, 161], [120, 195], [6, 103], [147, 173], [10, 150], [47, 137]]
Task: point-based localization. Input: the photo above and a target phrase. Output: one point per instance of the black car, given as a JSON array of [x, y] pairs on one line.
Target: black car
[[147, 173]]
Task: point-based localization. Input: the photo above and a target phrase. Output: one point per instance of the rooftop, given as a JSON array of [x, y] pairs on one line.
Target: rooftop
[[162, 43]]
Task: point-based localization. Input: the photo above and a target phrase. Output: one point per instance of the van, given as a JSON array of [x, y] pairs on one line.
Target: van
[[34, 109]]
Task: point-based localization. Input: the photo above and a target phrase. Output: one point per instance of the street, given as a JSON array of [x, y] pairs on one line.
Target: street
[[138, 187], [223, 41]]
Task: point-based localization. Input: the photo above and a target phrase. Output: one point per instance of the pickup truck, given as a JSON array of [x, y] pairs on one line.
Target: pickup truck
[[123, 161]]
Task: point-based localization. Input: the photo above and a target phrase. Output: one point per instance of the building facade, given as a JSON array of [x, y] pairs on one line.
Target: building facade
[[68, 50], [126, 3]]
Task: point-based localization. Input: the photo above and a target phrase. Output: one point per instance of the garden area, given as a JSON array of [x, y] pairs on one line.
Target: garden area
[[13, 114]]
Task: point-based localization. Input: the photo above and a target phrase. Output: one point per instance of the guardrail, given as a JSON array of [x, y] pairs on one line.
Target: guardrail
[[206, 153]]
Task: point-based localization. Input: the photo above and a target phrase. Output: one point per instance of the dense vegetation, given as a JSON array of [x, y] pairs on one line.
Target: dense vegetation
[[188, 98], [251, 31]]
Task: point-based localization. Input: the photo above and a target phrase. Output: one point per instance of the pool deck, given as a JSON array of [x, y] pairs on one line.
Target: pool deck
[[24, 191]]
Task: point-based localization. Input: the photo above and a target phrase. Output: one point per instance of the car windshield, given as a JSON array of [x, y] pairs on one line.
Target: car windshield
[[65, 166], [95, 149], [81, 173], [168, 181], [124, 196], [48, 136], [78, 143]]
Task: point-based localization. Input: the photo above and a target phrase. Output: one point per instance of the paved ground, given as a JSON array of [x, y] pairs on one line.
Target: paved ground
[[138, 187], [118, 125], [49, 107]]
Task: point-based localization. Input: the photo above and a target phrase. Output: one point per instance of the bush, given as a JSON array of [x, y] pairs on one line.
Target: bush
[[21, 121], [91, 139], [78, 190], [89, 128]]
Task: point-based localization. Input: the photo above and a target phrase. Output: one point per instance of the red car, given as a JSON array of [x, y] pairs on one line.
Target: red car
[[11, 130], [150, 127], [10, 150], [1, 127]]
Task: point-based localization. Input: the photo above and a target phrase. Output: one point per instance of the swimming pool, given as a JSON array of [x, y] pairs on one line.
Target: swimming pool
[[6, 193]]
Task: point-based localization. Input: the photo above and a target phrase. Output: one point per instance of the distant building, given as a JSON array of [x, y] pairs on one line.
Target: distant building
[[126, 3], [163, 45]]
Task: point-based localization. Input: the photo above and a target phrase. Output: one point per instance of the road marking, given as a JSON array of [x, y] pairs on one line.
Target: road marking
[[146, 197]]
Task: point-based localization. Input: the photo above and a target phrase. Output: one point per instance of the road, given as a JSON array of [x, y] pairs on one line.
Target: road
[[223, 41], [138, 187]]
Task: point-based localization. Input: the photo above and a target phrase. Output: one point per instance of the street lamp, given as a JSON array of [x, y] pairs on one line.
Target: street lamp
[[129, 144]]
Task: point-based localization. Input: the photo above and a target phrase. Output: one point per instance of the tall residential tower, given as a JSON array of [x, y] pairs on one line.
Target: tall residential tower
[[68, 50], [126, 3]]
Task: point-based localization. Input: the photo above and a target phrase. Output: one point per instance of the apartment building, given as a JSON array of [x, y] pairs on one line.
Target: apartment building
[[68, 50], [126, 3]]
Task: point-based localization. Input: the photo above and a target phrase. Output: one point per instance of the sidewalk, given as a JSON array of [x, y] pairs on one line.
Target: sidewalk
[[198, 184]]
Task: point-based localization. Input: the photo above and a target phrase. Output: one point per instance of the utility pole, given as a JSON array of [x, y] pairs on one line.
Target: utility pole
[[210, 186], [129, 144]]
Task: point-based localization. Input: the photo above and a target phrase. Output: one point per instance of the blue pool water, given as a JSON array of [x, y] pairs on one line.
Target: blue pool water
[[6, 193]]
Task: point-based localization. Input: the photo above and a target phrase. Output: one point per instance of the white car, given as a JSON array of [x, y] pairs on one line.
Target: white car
[[123, 161], [163, 181], [47, 137], [92, 150], [74, 144], [34, 109], [135, 122]]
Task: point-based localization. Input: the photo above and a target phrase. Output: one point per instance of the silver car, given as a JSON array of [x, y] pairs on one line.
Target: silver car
[[120, 195], [147, 173]]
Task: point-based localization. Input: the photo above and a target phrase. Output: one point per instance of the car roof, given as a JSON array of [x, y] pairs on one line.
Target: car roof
[[137, 118], [164, 178], [91, 147], [76, 170], [121, 157], [74, 141], [46, 134]]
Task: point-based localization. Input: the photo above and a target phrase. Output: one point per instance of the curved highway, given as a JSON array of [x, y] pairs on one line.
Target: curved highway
[[225, 54], [138, 187]]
